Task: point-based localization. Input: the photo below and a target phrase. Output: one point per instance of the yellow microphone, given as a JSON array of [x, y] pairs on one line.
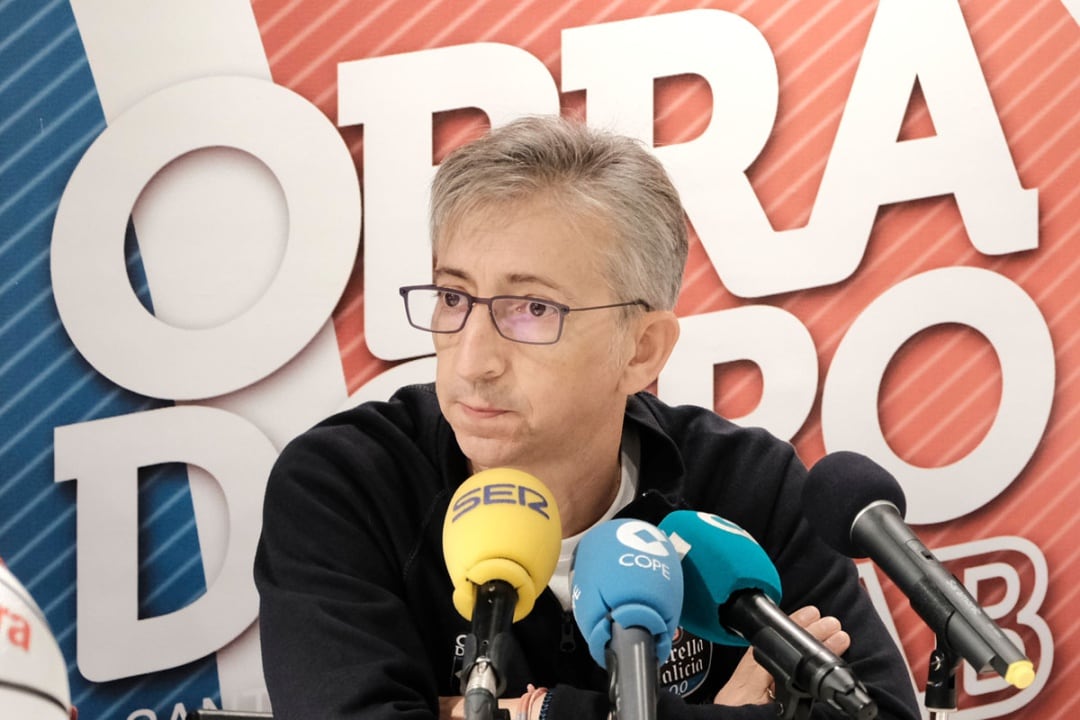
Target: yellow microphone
[[502, 524], [501, 542]]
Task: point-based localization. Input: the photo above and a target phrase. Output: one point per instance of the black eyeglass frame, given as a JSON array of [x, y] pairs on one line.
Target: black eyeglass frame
[[473, 300]]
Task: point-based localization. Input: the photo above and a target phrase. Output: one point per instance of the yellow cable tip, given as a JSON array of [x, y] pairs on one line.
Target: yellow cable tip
[[1020, 674]]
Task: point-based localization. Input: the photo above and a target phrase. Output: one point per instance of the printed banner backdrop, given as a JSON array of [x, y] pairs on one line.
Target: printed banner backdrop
[[885, 205]]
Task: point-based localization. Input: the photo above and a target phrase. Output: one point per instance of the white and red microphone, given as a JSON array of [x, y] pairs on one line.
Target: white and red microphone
[[33, 674]]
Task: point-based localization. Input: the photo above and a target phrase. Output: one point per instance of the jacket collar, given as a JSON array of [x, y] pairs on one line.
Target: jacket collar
[[661, 464]]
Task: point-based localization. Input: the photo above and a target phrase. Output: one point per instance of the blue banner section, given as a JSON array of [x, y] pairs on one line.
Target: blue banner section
[[51, 115]]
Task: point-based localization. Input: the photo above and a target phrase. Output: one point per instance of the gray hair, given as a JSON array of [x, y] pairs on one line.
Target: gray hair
[[609, 176]]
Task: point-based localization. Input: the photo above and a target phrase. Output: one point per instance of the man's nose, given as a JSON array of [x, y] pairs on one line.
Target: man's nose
[[480, 348]]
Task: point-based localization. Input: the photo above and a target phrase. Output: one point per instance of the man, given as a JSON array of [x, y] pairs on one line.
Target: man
[[558, 254]]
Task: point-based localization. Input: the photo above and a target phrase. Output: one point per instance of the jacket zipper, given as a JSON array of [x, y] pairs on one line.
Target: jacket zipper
[[567, 644]]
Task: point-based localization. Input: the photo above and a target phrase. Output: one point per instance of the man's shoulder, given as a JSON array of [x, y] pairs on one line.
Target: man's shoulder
[[412, 405], [369, 449], [681, 422], [410, 416], [709, 444]]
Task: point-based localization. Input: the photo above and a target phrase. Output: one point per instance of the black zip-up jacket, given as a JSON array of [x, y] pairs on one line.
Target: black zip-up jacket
[[356, 615]]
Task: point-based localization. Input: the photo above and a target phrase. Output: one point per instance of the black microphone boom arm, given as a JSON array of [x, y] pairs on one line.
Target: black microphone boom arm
[[802, 666]]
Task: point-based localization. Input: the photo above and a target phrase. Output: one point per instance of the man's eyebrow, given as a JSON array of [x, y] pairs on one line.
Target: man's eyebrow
[[529, 278], [452, 272], [512, 278]]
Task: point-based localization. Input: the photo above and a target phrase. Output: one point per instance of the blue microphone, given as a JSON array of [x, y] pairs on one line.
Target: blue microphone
[[627, 595], [731, 591]]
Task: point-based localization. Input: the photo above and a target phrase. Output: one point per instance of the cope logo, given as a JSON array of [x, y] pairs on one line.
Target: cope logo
[[649, 544], [726, 525]]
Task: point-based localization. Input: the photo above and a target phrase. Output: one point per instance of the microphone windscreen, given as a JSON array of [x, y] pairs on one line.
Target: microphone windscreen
[[840, 486], [719, 559], [626, 571], [33, 673], [502, 524]]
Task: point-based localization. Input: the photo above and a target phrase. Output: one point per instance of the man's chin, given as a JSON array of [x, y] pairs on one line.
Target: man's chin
[[485, 452]]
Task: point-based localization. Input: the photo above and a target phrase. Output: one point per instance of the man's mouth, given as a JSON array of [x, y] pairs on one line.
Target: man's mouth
[[479, 410]]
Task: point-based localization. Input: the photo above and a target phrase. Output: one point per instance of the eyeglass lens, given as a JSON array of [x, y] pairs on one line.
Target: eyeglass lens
[[521, 319]]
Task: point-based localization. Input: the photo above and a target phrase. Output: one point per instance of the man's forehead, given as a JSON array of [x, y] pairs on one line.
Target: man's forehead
[[536, 244], [444, 273]]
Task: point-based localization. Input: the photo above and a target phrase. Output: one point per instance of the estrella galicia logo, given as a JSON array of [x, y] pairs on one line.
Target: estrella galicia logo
[[688, 664]]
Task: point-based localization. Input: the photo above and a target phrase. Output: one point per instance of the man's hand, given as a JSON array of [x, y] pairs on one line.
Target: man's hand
[[453, 708], [751, 684]]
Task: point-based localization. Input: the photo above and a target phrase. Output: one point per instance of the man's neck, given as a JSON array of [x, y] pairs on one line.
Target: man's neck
[[583, 499], [585, 482]]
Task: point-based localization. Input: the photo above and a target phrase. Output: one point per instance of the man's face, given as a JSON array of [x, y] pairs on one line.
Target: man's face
[[517, 405]]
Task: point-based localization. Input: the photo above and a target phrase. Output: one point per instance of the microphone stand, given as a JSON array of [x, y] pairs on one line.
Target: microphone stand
[[940, 697], [631, 699], [792, 703], [481, 682]]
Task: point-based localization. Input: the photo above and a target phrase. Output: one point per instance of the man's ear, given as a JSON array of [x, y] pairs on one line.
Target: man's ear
[[655, 337]]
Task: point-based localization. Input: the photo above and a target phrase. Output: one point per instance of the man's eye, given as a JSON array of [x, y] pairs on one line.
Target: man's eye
[[450, 299], [539, 309]]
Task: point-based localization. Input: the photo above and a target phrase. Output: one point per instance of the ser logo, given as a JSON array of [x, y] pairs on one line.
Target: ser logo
[[500, 494]]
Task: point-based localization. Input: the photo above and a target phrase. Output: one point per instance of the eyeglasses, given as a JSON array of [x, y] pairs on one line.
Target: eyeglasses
[[516, 317]]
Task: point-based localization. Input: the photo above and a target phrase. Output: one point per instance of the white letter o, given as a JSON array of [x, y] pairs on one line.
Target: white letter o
[[97, 305], [1010, 320]]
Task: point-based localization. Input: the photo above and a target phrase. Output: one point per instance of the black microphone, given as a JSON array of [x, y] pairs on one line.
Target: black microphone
[[731, 588], [857, 507]]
